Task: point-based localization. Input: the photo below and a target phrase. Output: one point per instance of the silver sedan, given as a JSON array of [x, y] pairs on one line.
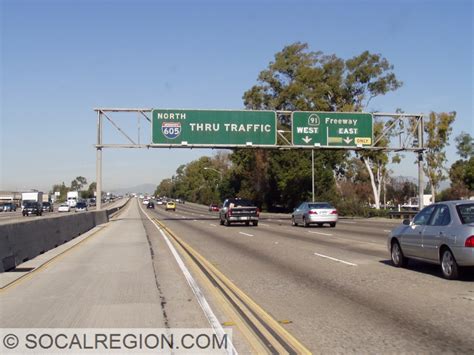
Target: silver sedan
[[314, 213], [442, 233]]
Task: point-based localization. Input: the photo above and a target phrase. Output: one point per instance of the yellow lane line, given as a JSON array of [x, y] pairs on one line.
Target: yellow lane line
[[249, 303]]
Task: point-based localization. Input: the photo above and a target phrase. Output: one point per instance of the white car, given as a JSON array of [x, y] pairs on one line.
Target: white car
[[314, 213], [64, 207], [145, 202]]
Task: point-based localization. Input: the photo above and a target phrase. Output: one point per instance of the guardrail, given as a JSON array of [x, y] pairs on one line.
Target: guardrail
[[22, 241]]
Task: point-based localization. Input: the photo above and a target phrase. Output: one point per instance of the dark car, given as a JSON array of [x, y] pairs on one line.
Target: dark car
[[32, 208], [9, 207], [81, 207], [150, 205], [48, 207]]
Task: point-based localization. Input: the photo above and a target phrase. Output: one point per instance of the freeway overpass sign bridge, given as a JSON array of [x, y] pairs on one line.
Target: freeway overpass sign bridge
[[232, 129]]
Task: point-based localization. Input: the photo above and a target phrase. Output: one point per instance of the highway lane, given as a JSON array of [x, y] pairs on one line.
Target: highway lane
[[335, 286], [16, 216]]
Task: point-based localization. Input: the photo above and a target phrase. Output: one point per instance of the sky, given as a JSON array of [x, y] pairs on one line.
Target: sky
[[61, 59]]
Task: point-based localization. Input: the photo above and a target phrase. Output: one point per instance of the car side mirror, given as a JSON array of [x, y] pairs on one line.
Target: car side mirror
[[406, 222]]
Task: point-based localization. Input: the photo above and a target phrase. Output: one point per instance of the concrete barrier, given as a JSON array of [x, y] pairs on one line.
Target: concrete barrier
[[23, 241]]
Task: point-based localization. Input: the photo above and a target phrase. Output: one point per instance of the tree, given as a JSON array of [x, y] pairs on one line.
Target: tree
[[62, 189], [89, 193], [461, 172], [437, 128], [299, 79], [464, 145], [165, 188], [78, 183]]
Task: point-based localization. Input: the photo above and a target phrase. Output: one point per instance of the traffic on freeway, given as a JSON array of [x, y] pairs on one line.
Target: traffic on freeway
[[278, 286]]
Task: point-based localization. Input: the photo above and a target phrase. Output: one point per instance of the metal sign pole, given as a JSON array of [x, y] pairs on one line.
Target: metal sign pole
[[312, 171], [420, 164], [98, 197]]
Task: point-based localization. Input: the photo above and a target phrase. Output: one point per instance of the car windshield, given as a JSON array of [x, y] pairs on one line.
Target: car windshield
[[46, 203], [81, 204], [466, 213]]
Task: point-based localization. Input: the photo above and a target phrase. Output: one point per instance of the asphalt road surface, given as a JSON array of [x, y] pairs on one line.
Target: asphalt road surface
[[336, 286], [333, 289]]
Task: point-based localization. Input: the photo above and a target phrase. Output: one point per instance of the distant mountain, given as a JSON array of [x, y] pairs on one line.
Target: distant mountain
[[143, 188]]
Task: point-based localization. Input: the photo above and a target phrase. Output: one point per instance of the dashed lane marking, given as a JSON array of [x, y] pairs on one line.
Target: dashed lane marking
[[320, 233], [250, 235], [334, 259]]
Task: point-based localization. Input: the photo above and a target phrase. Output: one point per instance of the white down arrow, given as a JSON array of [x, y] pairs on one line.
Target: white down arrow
[[347, 140], [306, 139]]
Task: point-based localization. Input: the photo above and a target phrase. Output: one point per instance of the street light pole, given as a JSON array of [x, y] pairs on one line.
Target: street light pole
[[217, 171]]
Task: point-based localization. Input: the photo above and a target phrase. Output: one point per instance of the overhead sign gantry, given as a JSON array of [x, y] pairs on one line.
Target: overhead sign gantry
[[230, 129]]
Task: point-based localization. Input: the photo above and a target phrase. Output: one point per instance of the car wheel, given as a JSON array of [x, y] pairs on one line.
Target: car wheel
[[255, 223], [221, 221], [398, 259], [320, 224], [247, 223], [305, 223], [293, 222], [332, 225], [227, 222], [449, 266]]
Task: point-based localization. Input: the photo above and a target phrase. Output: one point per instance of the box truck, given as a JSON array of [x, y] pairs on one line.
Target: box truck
[[34, 196], [72, 198]]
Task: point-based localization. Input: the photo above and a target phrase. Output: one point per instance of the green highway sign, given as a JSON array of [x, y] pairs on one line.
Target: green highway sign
[[213, 127], [338, 129]]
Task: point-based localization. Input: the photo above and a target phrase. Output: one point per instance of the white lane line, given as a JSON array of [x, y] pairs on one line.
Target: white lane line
[[250, 235], [212, 225], [320, 233], [334, 259], [386, 230], [263, 224], [347, 222], [211, 317]]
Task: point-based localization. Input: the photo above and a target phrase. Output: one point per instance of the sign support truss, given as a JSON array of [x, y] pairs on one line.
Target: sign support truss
[[403, 131]]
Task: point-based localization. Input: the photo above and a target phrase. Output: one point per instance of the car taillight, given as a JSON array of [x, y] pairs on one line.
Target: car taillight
[[229, 212], [334, 212], [258, 212], [312, 212], [469, 242]]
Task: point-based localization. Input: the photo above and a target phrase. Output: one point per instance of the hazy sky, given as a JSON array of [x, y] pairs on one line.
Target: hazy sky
[[61, 59]]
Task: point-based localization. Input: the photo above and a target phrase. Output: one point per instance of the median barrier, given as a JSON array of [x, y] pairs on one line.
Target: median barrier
[[25, 240]]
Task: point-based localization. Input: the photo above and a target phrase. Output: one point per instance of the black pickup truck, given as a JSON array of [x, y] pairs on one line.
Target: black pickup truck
[[238, 210]]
